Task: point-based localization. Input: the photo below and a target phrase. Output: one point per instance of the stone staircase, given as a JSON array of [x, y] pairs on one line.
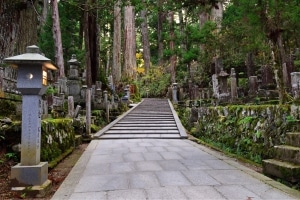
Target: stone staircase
[[152, 118], [286, 164]]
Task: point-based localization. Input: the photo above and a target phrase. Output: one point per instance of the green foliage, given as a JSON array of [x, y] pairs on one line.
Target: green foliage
[[245, 120], [7, 107], [51, 90], [12, 156], [155, 83], [57, 137], [248, 131]]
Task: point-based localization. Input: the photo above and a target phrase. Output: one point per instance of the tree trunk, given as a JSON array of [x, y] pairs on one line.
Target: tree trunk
[[173, 58], [145, 39], [250, 65], [57, 39], [129, 71], [160, 44], [203, 17], [27, 28], [182, 32], [18, 22], [45, 12], [91, 44], [116, 65]]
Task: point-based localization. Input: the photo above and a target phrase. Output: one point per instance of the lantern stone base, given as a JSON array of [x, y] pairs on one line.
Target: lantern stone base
[[36, 191], [24, 176], [30, 180]]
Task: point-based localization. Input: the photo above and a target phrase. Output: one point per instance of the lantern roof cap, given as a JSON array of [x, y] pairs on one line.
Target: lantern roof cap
[[73, 60], [223, 74], [32, 56]]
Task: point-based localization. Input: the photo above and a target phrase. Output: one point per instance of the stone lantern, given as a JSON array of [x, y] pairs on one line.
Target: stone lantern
[[74, 83], [32, 83], [174, 92]]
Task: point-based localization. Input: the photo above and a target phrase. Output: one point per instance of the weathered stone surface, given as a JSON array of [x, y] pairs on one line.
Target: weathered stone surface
[[284, 170], [293, 139], [29, 175], [288, 153]]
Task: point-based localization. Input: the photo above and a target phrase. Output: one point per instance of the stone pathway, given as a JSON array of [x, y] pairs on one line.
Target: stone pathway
[[156, 162], [137, 169]]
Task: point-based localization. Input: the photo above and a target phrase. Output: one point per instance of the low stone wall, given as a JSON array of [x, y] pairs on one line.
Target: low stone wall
[[57, 138], [249, 131]]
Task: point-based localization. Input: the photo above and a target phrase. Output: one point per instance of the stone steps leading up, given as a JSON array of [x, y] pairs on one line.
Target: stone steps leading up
[[286, 163], [281, 169], [152, 118]]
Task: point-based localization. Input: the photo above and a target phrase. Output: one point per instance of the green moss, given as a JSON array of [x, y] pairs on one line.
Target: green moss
[[249, 130]]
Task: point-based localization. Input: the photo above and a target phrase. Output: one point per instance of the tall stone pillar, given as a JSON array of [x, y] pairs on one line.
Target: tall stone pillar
[[233, 85]]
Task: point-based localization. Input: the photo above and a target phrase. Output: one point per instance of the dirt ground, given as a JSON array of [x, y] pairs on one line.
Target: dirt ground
[[56, 175]]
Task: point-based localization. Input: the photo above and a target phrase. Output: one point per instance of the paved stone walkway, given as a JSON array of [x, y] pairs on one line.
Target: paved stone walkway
[[154, 166], [140, 169]]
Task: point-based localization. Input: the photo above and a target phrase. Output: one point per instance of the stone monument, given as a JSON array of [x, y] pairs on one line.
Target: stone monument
[[74, 83], [31, 82]]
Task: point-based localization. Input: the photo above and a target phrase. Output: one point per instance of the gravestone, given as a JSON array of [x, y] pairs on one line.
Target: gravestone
[[267, 77], [71, 106], [77, 111], [295, 79], [253, 86], [215, 83]]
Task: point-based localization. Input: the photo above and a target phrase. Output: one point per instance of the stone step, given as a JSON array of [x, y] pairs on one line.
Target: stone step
[[152, 118], [150, 113], [140, 136], [149, 118], [293, 139], [129, 131], [144, 125], [144, 128], [284, 170], [288, 153], [124, 121]]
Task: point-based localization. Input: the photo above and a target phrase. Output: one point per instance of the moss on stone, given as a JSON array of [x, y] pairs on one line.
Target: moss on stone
[[249, 130]]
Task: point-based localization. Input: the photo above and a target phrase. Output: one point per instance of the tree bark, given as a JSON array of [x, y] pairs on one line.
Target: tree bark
[[145, 39], [91, 44], [160, 44], [27, 28], [116, 65], [44, 12], [57, 39], [18, 22], [250, 65], [173, 58], [129, 71], [203, 17]]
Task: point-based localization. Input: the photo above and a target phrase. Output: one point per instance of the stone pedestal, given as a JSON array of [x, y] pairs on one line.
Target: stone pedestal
[[30, 175], [74, 87]]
